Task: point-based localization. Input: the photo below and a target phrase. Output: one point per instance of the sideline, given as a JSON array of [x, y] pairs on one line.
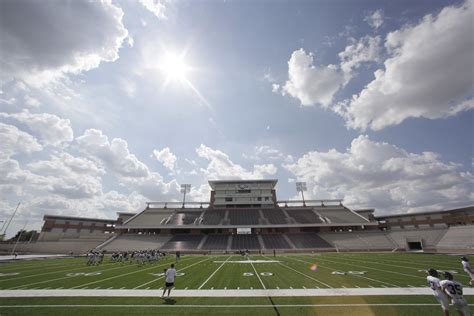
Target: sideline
[[226, 293]]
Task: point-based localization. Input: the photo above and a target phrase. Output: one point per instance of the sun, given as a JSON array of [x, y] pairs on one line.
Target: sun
[[174, 67]]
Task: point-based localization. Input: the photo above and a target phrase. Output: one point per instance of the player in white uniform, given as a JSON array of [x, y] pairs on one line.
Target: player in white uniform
[[434, 283], [467, 268], [170, 276], [454, 290]]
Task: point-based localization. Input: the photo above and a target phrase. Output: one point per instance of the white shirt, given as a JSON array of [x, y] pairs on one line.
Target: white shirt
[[170, 275], [453, 289], [466, 266], [434, 285]]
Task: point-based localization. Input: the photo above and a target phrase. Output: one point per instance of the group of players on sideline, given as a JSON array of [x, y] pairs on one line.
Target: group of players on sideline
[[140, 257], [444, 290]]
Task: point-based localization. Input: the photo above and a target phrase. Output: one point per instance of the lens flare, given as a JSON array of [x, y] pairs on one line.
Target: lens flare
[[314, 267]]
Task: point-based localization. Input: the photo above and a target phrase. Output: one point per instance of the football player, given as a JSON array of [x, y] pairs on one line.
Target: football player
[[454, 290], [434, 283], [467, 268]]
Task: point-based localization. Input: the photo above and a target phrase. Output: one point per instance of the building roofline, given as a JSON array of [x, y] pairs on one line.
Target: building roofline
[[46, 216], [212, 183], [455, 210]]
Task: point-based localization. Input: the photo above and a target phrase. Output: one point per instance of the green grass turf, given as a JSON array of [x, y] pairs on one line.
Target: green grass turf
[[381, 270]]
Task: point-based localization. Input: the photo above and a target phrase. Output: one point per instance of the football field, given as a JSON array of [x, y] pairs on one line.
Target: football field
[[300, 284]]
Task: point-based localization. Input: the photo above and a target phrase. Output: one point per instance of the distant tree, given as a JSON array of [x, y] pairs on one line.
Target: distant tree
[[25, 236]]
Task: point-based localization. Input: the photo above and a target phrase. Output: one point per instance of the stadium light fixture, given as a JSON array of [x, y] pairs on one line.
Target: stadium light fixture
[[185, 188], [301, 187]]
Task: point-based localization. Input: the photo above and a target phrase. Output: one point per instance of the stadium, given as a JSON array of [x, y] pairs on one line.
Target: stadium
[[242, 252]]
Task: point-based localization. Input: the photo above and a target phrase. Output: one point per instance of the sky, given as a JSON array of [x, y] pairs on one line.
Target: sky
[[105, 105]]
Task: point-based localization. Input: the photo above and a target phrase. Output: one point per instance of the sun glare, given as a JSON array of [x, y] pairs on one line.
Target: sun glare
[[174, 68]]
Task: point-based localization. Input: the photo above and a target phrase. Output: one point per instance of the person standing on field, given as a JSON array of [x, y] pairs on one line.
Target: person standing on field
[[170, 275]]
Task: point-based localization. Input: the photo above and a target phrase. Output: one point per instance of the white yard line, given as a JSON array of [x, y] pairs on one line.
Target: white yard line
[[46, 273], [305, 275], [227, 293], [214, 273], [370, 268], [355, 275], [154, 280], [121, 275], [258, 276], [62, 278], [440, 264], [404, 265]]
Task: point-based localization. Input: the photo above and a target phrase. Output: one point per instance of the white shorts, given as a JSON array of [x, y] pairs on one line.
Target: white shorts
[[443, 300], [462, 306], [471, 275]]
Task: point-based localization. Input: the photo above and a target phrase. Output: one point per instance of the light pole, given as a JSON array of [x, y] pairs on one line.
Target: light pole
[[300, 187], [185, 188]]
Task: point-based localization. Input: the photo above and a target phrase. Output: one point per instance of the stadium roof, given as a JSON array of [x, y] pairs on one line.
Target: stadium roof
[[212, 183]]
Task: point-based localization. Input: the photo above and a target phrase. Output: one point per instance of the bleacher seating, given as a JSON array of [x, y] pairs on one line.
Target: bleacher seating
[[339, 215], [308, 240], [274, 216], [215, 242], [245, 242], [273, 241], [305, 216], [458, 237], [183, 242], [149, 216], [213, 217], [244, 217], [136, 242], [359, 240], [429, 236], [183, 218]]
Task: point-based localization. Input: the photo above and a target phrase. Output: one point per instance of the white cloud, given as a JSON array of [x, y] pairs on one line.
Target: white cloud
[[375, 19], [14, 141], [267, 153], [157, 7], [68, 176], [114, 155], [429, 73], [42, 40], [49, 128], [381, 175], [311, 84], [365, 50], [221, 167], [166, 157]]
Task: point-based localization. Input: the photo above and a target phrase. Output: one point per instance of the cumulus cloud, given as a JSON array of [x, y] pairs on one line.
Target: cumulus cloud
[[166, 157], [366, 49], [220, 166], [428, 74], [68, 176], [14, 141], [157, 7], [113, 154], [375, 19], [311, 84], [42, 40], [49, 128], [381, 175]]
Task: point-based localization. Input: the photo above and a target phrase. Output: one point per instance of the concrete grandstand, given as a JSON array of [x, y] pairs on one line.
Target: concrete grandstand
[[245, 214]]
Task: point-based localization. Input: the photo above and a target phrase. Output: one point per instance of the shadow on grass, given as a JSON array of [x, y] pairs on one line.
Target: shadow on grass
[[169, 301]]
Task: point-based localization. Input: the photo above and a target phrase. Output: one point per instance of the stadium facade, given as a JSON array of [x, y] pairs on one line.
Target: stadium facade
[[246, 214]]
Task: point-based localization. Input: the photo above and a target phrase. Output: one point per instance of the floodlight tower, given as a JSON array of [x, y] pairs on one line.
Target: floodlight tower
[[300, 187], [185, 188]]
